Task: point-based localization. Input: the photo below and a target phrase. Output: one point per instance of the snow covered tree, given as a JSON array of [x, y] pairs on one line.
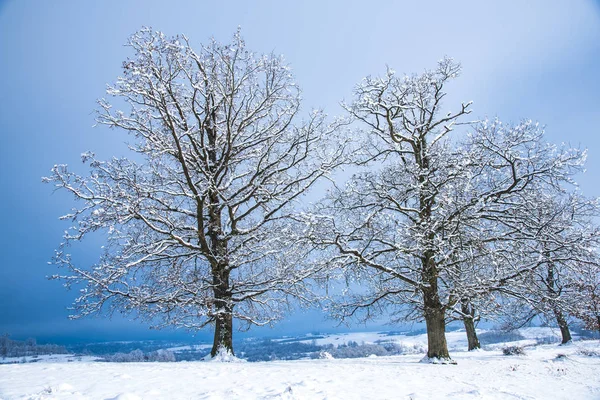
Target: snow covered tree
[[197, 221], [563, 240], [587, 298], [414, 228]]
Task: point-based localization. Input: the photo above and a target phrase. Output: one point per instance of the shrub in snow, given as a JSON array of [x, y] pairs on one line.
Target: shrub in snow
[[589, 353], [325, 355], [161, 356], [513, 351], [394, 348]]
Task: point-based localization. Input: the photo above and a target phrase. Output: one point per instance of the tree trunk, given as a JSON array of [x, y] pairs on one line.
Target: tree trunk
[[223, 305], [558, 314], [563, 325], [223, 339], [434, 311], [437, 347], [469, 322]]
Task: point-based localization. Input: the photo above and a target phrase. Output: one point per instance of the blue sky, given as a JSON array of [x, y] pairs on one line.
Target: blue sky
[[534, 59]]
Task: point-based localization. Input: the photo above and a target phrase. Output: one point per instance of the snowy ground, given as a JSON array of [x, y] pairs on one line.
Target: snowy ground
[[545, 372]]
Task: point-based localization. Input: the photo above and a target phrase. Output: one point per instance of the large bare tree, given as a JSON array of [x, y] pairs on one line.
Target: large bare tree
[[414, 228], [197, 220]]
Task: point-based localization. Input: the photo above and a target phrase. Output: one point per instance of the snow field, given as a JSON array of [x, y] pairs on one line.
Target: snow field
[[545, 372]]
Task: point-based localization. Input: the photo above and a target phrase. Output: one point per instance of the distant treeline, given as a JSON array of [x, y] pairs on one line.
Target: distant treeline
[[140, 356], [110, 348], [29, 347], [256, 349]]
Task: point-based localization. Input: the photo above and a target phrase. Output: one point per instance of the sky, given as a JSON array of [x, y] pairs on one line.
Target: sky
[[536, 59]]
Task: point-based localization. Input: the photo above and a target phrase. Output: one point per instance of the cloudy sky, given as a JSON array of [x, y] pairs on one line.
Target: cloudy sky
[[534, 59]]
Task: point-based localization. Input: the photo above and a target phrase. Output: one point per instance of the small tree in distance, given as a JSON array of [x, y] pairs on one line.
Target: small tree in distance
[[562, 239], [587, 299], [199, 230], [567, 240]]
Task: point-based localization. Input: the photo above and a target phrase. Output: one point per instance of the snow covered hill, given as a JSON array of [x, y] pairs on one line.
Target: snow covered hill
[[545, 372]]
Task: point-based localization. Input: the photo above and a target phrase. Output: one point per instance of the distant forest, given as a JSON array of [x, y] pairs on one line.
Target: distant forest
[[29, 347]]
